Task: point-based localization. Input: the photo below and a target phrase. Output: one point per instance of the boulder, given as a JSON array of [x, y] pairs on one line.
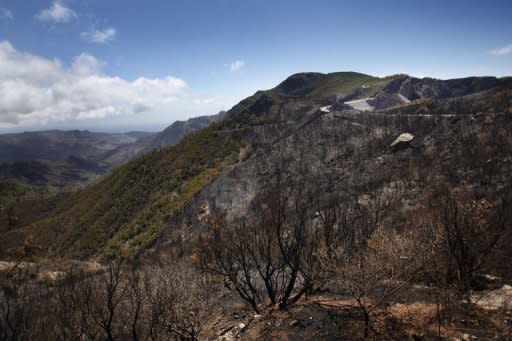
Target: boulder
[[403, 141]]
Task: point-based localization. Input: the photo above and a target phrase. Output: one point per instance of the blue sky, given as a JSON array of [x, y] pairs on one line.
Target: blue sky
[[120, 65]]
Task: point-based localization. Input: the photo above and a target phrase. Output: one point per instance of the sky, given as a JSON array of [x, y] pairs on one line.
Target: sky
[[112, 65]]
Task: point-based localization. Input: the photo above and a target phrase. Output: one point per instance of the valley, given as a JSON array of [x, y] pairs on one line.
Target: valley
[[33, 163]]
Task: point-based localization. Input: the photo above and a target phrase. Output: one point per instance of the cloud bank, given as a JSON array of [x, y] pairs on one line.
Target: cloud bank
[[99, 36], [57, 14], [37, 90]]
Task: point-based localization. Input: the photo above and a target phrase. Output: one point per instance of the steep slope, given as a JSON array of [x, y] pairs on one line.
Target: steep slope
[[12, 190], [169, 136], [175, 132], [156, 201], [125, 209], [459, 143]]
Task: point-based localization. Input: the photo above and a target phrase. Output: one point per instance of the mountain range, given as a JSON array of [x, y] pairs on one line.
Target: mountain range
[[330, 132], [32, 163]]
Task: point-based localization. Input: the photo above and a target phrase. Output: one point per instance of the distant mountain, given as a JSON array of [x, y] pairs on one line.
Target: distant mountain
[[169, 136], [139, 134], [404, 89], [175, 132], [58, 159], [66, 174], [331, 132], [56, 145], [65, 159]]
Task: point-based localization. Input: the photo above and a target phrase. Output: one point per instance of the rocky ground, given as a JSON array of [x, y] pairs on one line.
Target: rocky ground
[[415, 315]]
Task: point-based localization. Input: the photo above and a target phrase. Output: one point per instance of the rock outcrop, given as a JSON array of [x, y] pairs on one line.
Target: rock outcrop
[[403, 141]]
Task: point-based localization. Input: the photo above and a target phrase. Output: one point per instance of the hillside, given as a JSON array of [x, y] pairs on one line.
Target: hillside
[[295, 217], [12, 190], [459, 145], [124, 211], [155, 199], [339, 84], [169, 136]]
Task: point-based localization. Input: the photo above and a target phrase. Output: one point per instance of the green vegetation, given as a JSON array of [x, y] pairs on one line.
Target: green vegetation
[[15, 190], [319, 85], [143, 230], [345, 82], [125, 210]]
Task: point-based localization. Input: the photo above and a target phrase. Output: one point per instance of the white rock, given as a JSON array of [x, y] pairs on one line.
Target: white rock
[[361, 104], [327, 108], [404, 138], [404, 99]]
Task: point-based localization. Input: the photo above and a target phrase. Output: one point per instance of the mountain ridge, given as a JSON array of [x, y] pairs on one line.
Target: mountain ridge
[[261, 131]]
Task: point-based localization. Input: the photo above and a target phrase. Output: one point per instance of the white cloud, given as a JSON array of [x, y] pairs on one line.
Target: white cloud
[[502, 50], [236, 65], [36, 90], [6, 14], [86, 64], [57, 13], [98, 36]]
